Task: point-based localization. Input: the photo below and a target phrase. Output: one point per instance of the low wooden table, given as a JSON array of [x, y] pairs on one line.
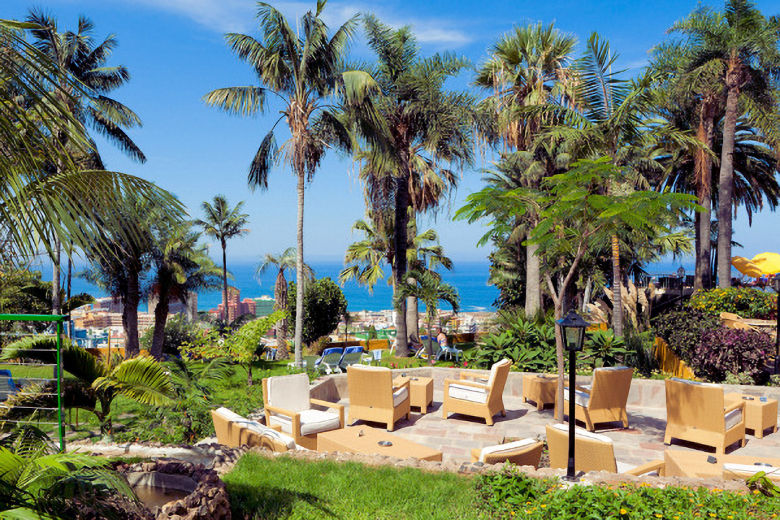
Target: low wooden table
[[759, 415], [420, 390], [539, 389], [684, 463], [350, 440]]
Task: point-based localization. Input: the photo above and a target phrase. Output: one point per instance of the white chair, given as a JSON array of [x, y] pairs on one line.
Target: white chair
[[288, 406]]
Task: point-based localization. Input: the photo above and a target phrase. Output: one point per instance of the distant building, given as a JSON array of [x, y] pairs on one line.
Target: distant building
[[188, 307], [264, 306], [235, 305]]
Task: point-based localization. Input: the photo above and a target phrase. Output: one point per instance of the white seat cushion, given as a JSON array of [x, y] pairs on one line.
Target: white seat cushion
[[494, 370], [228, 414], [750, 469], [312, 421], [580, 432], [289, 392], [399, 396], [580, 397], [501, 448], [468, 393], [733, 418], [624, 467]]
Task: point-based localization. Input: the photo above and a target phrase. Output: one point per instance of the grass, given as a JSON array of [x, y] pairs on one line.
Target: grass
[[283, 487]]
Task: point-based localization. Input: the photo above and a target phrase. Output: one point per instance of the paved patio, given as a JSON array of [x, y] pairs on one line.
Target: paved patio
[[640, 443]]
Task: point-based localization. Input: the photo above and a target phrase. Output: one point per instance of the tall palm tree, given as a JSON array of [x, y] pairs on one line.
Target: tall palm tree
[[529, 66], [414, 135], [430, 289], [302, 70], [223, 223], [78, 60], [281, 263], [742, 45]]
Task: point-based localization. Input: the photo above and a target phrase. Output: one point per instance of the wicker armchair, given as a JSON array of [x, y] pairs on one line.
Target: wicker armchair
[[605, 400], [288, 406], [525, 452], [483, 399], [698, 412], [234, 431], [373, 398]]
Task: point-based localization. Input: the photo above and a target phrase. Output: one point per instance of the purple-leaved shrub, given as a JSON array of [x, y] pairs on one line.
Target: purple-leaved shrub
[[722, 351]]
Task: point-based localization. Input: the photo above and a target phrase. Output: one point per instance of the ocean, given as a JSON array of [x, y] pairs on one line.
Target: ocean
[[469, 278]]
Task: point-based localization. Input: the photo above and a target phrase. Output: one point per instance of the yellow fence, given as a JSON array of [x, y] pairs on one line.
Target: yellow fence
[[670, 362]]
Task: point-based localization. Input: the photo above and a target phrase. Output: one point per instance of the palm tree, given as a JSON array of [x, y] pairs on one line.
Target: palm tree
[[528, 67], [302, 71], [77, 60], [181, 265], [414, 135], [223, 223], [429, 288], [742, 46], [282, 262]]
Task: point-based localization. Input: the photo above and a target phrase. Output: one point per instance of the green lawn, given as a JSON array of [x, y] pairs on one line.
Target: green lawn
[[278, 488]]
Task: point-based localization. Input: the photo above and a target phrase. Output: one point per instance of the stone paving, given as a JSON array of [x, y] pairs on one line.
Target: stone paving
[[640, 443]]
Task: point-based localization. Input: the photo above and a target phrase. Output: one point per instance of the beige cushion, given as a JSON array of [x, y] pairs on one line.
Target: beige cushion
[[580, 397], [230, 415], [468, 393], [494, 371], [399, 396], [289, 392], [750, 469], [733, 418], [312, 421], [582, 433], [504, 448], [369, 368]]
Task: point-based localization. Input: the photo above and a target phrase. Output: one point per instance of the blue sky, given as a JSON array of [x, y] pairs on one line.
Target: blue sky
[[175, 52]]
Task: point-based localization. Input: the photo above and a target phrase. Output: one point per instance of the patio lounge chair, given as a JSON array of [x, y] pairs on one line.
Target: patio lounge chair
[[234, 431], [593, 452], [375, 356], [288, 405], [605, 400], [351, 356], [698, 412], [329, 360], [449, 352], [525, 452], [372, 396], [484, 399], [7, 385]]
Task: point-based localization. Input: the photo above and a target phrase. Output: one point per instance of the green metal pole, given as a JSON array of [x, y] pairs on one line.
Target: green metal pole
[[59, 387]]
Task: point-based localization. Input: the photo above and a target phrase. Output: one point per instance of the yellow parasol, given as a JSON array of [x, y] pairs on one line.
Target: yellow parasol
[[747, 267], [769, 263]]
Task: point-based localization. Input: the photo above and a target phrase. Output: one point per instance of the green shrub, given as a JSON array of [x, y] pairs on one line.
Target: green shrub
[[683, 330], [603, 349], [511, 494], [747, 302], [324, 305], [178, 331], [530, 345]]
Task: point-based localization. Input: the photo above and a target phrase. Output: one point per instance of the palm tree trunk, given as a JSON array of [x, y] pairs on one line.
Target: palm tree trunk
[[225, 314], [412, 316], [299, 310], [726, 180], [161, 316], [703, 169], [617, 296], [280, 304], [533, 281], [56, 304], [429, 348], [130, 314], [401, 244]]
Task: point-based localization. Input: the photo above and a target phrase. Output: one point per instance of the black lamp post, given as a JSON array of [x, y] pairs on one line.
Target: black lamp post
[[573, 331], [681, 277], [777, 328]]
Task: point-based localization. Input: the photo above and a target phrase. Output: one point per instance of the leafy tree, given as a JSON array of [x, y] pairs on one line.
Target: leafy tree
[[429, 288], [576, 216], [741, 46], [324, 306], [282, 262], [302, 71], [223, 223], [178, 331], [141, 379], [414, 135]]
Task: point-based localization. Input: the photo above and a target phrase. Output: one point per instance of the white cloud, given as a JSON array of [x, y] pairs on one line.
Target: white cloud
[[239, 16]]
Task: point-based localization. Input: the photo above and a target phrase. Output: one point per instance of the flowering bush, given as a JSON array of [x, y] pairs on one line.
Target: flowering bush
[[748, 303], [683, 330], [725, 351]]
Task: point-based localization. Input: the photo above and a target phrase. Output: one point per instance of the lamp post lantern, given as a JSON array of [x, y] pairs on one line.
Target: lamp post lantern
[[681, 277], [573, 331], [777, 327]]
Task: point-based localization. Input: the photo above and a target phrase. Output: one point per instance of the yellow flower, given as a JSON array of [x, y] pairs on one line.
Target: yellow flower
[[623, 511]]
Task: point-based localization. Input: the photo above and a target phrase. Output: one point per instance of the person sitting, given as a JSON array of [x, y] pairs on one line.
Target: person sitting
[[441, 337]]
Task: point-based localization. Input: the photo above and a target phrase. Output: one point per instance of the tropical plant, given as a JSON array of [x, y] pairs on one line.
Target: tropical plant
[[178, 331], [141, 379], [428, 287], [324, 306], [604, 349], [282, 262], [222, 223], [740, 46], [38, 482], [745, 301], [529, 344], [413, 134], [303, 71], [683, 330], [723, 351]]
